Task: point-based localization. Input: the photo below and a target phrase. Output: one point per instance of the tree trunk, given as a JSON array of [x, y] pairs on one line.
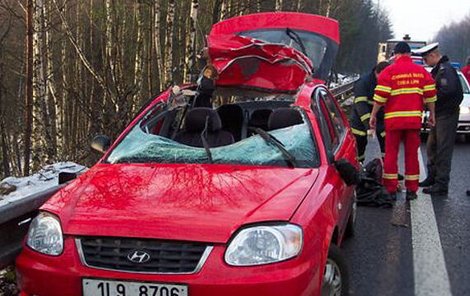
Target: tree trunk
[[28, 89], [158, 45], [191, 42], [170, 22], [139, 56], [224, 10]]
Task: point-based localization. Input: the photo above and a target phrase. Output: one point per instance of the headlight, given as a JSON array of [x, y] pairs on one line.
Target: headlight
[[45, 235], [264, 244], [464, 110]]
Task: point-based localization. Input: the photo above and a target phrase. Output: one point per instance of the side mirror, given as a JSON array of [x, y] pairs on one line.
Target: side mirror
[[101, 143], [347, 171]]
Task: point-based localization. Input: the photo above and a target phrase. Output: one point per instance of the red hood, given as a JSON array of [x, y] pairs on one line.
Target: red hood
[[178, 202], [273, 51], [253, 63]]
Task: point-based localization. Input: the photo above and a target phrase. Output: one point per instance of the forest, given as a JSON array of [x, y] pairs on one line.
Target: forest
[[454, 40], [73, 69]]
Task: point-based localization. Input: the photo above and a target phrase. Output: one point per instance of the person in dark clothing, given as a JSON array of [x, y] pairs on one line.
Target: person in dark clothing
[[205, 87], [363, 101], [441, 139]]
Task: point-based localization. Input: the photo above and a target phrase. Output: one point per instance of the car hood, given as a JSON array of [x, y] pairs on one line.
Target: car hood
[[178, 202], [273, 51]]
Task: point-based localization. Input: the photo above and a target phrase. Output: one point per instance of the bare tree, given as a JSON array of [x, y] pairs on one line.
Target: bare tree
[[191, 41]]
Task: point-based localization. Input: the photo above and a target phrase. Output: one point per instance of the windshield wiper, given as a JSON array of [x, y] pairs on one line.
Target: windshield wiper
[[296, 38], [288, 157], [204, 141]]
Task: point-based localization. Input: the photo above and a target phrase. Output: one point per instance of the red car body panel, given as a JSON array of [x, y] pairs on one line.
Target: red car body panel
[[252, 63], [191, 202], [301, 21], [205, 203]]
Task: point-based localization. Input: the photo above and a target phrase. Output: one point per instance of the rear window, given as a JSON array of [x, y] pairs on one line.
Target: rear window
[[319, 49]]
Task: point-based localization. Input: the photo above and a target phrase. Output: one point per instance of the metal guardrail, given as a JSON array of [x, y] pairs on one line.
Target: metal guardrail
[[14, 222], [344, 92]]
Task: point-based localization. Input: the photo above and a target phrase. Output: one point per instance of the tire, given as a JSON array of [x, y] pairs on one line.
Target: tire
[[351, 226], [467, 138], [335, 280]]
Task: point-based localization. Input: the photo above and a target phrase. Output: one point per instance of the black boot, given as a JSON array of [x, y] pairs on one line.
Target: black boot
[[410, 195], [429, 181], [436, 190]]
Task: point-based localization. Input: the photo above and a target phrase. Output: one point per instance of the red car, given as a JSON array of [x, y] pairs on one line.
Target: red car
[[250, 197]]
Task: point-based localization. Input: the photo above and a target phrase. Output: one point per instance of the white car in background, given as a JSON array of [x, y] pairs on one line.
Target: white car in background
[[463, 127], [464, 118]]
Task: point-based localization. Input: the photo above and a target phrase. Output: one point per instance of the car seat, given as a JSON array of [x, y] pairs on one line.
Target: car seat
[[195, 122], [232, 119], [284, 117], [259, 119]]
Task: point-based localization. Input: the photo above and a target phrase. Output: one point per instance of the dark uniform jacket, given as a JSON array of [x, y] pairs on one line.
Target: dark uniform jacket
[[363, 101], [449, 89]]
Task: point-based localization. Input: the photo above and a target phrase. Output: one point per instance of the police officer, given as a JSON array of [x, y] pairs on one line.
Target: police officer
[[363, 101], [402, 89], [441, 139]]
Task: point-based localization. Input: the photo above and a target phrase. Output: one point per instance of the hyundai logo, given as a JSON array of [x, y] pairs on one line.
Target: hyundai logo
[[138, 256]]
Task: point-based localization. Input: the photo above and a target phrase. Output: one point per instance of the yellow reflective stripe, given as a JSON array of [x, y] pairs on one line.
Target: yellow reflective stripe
[[403, 114], [370, 102], [429, 87], [390, 176], [361, 157], [382, 134], [430, 100], [411, 177], [365, 116], [379, 99], [383, 88], [406, 91], [358, 132], [360, 99]]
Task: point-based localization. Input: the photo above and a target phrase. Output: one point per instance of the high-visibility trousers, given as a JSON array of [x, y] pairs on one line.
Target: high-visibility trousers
[[411, 140]]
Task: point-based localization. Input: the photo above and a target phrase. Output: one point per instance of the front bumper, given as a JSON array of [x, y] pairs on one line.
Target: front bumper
[[43, 275]]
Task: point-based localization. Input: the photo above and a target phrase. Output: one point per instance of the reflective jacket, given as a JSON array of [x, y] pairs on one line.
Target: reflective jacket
[[449, 88], [363, 101], [403, 88]]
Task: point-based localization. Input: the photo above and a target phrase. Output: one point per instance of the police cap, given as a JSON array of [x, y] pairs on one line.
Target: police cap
[[425, 50]]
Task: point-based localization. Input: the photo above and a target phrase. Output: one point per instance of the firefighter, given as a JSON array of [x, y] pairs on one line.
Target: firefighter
[[402, 89], [441, 139], [363, 101]]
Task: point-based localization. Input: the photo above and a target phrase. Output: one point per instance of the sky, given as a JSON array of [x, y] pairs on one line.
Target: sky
[[422, 19]]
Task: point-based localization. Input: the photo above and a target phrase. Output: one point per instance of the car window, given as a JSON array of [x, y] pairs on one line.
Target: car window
[[141, 145], [326, 128], [335, 114]]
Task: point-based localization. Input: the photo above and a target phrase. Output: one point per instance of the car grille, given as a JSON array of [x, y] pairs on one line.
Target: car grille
[[163, 256]]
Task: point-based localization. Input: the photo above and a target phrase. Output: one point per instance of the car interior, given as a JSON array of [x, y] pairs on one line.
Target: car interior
[[224, 124]]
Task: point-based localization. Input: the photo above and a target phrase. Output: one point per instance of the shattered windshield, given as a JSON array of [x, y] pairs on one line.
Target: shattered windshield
[[142, 146]]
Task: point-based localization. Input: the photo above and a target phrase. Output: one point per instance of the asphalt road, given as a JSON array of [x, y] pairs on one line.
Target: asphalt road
[[385, 257]]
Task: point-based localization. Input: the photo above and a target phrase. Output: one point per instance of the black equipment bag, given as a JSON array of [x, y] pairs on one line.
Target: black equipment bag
[[370, 191]]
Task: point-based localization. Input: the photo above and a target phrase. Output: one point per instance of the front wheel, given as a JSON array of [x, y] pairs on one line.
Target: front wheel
[[335, 276]]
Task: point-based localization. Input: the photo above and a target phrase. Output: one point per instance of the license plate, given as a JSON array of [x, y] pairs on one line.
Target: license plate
[[96, 287]]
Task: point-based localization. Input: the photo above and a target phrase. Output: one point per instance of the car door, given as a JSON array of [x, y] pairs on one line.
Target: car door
[[334, 129]]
